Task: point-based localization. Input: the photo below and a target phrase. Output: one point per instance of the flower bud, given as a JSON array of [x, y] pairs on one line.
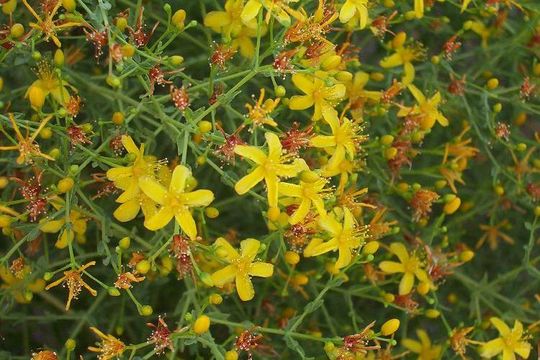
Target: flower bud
[[390, 327], [201, 325]]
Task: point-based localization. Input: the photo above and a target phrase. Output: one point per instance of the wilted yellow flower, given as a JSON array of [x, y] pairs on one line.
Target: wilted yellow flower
[[109, 348], [509, 342], [19, 286], [25, 144], [175, 201], [74, 283], [241, 266], [260, 113], [408, 264]]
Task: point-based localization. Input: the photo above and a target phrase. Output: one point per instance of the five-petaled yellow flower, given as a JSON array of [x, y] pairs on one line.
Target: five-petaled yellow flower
[[270, 167], [175, 201], [427, 109], [346, 237], [241, 266], [310, 191], [126, 178], [404, 55], [408, 264], [424, 349], [343, 140], [509, 342], [318, 93]]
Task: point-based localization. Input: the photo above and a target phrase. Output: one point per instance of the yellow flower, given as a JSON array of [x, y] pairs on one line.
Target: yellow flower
[[270, 167], [343, 141], [47, 25], [409, 265], [354, 7], [110, 347], [18, 286], [492, 233], [78, 228], [229, 23], [74, 282], [48, 83], [404, 55], [424, 348], [346, 237], [426, 110], [310, 192], [127, 178], [175, 201], [241, 266], [318, 93], [279, 9], [509, 342], [480, 29]]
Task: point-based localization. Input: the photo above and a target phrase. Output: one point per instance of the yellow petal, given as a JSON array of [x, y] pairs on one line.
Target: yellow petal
[[287, 189], [198, 198], [224, 276], [500, 326], [419, 8], [441, 119], [363, 15], [391, 267], [335, 92], [261, 269], [347, 11], [325, 247], [251, 152], [492, 348], [308, 250], [303, 82], [250, 10], [160, 219], [178, 179], [272, 183], [244, 287], [345, 257], [216, 20], [187, 223], [300, 102], [129, 145], [408, 70], [51, 226], [406, 284], [412, 345], [249, 181], [64, 239], [508, 354], [274, 145], [424, 338], [391, 61], [329, 224], [420, 98], [127, 211], [400, 251], [301, 212], [153, 189], [225, 249], [249, 248], [523, 349], [115, 174], [131, 191]]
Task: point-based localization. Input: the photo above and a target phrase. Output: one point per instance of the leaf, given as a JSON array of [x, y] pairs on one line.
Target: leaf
[[294, 345]]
